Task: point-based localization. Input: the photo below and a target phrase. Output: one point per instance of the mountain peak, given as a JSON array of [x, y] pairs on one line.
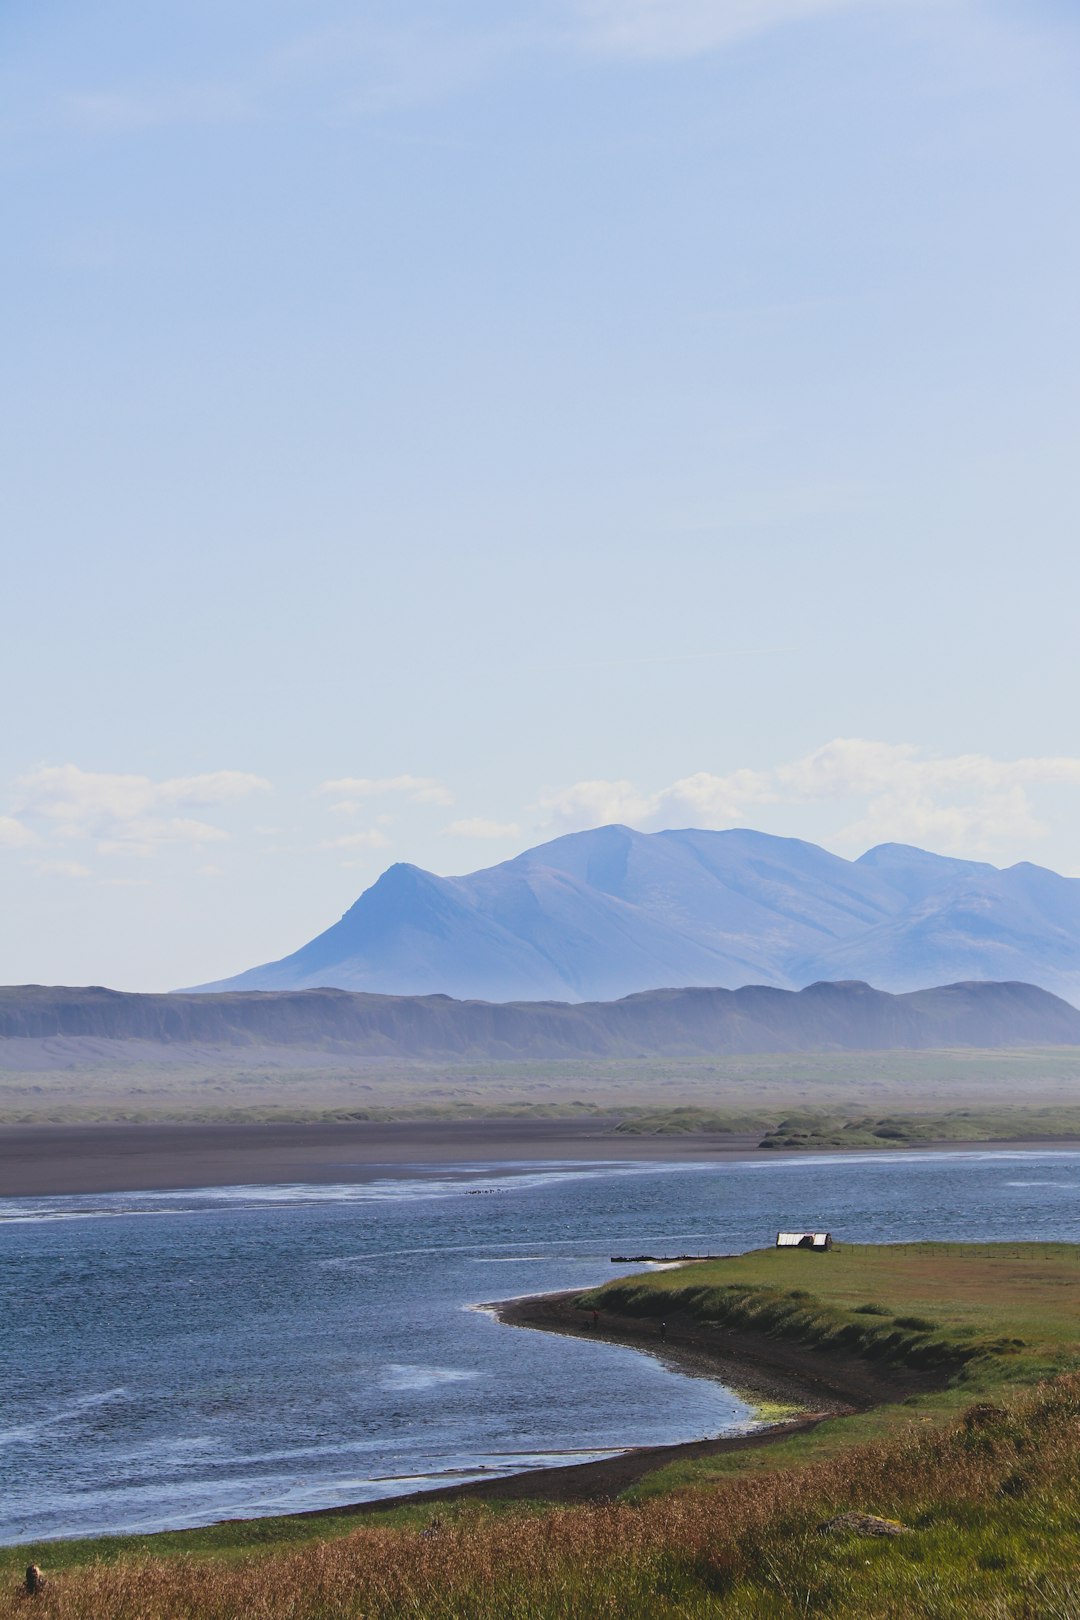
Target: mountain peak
[[610, 911]]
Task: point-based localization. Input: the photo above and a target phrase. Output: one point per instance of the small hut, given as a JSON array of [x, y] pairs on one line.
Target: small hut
[[804, 1240]]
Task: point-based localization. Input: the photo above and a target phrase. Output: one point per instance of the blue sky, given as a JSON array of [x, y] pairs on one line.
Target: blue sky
[[430, 428]]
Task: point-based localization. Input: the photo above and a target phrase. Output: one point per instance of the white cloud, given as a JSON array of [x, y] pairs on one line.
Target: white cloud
[[353, 792], [70, 869], [853, 764], [957, 802], [13, 834], [595, 803], [131, 814], [479, 827], [372, 838], [679, 28], [968, 803]]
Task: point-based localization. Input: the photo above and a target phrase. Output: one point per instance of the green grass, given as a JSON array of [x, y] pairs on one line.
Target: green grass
[[921, 1305], [810, 1131], [985, 1317]]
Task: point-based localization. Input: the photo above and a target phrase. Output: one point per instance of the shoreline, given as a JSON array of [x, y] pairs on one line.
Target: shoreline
[[751, 1365], [60, 1160]]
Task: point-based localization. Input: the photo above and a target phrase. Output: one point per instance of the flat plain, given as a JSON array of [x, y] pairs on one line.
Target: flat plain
[[206, 1119]]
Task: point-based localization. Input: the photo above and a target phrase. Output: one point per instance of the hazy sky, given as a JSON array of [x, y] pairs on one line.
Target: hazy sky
[[429, 427]]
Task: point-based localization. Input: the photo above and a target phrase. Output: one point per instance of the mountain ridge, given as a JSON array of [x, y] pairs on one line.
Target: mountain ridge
[[602, 914], [683, 1022]]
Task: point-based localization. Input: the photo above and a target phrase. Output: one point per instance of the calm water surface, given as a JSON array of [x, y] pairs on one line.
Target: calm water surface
[[175, 1358]]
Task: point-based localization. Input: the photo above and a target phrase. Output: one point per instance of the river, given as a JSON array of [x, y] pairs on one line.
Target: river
[[172, 1359]]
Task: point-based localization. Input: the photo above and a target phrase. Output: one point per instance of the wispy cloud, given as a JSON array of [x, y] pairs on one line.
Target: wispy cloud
[[365, 65], [123, 112], [119, 813], [480, 827], [680, 28], [368, 838], [68, 869], [417, 58], [352, 793], [358, 66], [969, 803]]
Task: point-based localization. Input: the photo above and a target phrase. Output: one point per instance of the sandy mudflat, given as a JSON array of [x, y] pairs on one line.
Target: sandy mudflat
[[48, 1160], [42, 1160]]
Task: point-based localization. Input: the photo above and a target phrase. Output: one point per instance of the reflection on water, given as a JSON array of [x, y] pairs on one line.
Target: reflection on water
[[175, 1358]]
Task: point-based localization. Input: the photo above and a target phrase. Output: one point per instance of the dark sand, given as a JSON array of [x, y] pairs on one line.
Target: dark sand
[[757, 1367], [38, 1160], [48, 1160]]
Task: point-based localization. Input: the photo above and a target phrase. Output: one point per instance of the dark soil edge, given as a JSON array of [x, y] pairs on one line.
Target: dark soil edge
[[826, 1385]]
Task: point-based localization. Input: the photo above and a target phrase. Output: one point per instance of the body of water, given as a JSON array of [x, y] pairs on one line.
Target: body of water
[[171, 1359]]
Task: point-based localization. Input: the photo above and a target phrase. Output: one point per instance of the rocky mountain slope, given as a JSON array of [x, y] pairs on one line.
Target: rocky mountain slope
[[603, 914]]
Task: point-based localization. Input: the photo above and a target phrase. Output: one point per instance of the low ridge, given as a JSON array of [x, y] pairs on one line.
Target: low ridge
[[656, 1023]]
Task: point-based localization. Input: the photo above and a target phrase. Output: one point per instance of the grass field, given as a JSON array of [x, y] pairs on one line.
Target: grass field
[[983, 1473], [987, 1318]]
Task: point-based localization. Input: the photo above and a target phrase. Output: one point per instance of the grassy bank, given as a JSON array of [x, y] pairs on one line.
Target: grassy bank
[[982, 1472], [986, 1319], [987, 1312]]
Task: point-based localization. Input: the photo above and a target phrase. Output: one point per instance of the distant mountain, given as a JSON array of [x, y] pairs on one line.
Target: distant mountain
[[656, 1023], [602, 914]]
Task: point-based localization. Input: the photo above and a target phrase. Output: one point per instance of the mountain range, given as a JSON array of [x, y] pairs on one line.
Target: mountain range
[[69, 1024], [603, 914]]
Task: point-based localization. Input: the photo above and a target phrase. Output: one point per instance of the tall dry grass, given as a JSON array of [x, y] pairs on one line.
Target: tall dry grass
[[745, 1547]]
